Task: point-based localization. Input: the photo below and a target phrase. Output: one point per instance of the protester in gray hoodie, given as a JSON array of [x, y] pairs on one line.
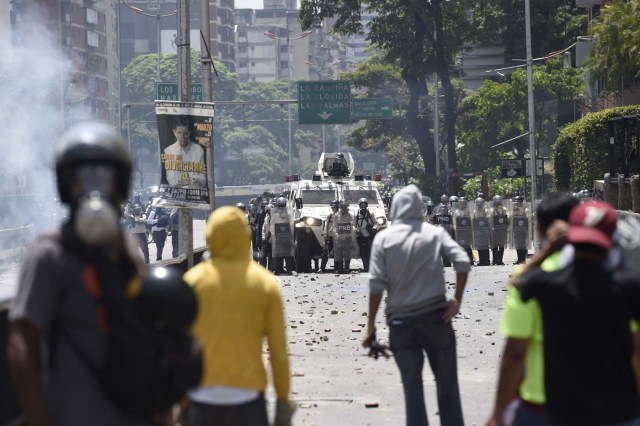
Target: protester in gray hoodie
[[407, 262]]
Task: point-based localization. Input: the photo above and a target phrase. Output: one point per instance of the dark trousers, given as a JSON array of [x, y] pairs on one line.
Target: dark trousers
[[522, 255], [252, 413], [410, 339], [141, 239], [497, 253], [364, 244], [159, 237], [325, 253], [469, 252], [483, 257], [175, 242]]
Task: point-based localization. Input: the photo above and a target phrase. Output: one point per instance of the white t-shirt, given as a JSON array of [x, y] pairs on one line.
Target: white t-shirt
[[185, 167]]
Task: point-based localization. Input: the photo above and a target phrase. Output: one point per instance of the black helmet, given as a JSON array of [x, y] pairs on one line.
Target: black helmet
[[165, 300], [497, 200], [344, 206], [281, 202], [91, 143], [444, 199], [339, 155], [241, 206], [362, 201], [518, 199]]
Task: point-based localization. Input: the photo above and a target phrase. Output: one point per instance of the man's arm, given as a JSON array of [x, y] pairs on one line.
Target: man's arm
[[276, 337], [374, 305], [23, 355], [510, 376], [453, 304], [556, 239], [377, 285]]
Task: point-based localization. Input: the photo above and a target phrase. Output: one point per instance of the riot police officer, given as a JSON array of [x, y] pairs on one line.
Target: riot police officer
[[137, 223], [462, 224], [499, 230], [442, 215], [366, 228], [281, 237], [481, 232], [453, 205], [520, 224], [265, 256], [339, 167], [241, 206], [328, 232], [252, 218], [344, 238]]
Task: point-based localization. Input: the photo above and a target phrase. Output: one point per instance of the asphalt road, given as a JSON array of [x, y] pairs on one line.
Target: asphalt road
[[333, 379]]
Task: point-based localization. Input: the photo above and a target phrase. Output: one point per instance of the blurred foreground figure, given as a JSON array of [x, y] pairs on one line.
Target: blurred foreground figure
[[81, 299], [240, 305]]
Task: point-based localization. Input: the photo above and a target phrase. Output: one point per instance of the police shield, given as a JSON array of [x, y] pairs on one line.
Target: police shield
[[442, 217], [281, 236], [500, 228], [464, 233], [343, 242], [520, 232], [481, 233]]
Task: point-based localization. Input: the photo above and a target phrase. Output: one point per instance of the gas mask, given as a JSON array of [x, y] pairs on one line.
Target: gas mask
[[96, 215]]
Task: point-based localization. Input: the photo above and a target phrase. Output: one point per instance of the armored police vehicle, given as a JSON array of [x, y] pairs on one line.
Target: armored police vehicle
[[309, 203]]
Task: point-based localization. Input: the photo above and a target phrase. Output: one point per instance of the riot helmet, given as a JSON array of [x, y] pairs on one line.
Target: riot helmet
[[518, 199], [462, 203], [444, 199], [429, 207], [453, 199], [93, 170], [281, 202], [363, 203], [241, 206], [497, 200], [334, 205], [479, 202], [344, 206]]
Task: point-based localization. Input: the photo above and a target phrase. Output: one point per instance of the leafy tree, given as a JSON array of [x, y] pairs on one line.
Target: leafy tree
[[616, 37], [423, 37], [498, 112], [555, 25]]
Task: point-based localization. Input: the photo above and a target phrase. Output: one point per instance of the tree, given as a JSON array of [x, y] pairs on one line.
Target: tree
[[616, 37], [498, 112], [423, 37], [555, 25]]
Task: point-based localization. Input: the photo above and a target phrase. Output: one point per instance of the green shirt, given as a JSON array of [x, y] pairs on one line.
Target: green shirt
[[524, 321]]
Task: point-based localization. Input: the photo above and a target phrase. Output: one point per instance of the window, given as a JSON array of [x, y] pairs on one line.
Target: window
[[284, 64], [92, 39], [243, 33], [253, 64], [318, 196], [242, 49], [284, 49], [92, 17], [242, 64]]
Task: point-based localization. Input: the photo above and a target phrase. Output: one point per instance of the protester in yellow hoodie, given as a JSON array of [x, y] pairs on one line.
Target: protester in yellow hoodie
[[239, 304]]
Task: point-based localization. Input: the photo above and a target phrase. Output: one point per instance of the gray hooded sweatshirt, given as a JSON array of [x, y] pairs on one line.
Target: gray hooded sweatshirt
[[406, 259]]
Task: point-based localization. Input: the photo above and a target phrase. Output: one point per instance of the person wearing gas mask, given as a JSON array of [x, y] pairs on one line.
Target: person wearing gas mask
[[463, 227], [281, 237], [137, 222], [328, 234], [56, 306], [344, 238], [366, 228], [481, 232], [159, 219]]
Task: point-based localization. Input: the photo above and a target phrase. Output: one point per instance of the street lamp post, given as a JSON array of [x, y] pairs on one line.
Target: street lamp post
[[532, 143]]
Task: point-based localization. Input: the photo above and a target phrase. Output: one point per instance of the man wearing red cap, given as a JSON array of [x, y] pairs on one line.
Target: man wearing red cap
[[586, 309]]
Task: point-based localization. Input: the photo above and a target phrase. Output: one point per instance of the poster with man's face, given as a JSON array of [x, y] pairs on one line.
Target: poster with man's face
[[185, 130]]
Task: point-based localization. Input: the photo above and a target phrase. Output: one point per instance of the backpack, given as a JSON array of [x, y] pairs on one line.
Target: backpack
[[147, 369]]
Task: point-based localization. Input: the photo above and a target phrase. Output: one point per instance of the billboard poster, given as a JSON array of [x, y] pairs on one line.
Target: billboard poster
[[185, 130]]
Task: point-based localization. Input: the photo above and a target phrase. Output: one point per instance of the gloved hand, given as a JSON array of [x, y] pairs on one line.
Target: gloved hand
[[284, 412]]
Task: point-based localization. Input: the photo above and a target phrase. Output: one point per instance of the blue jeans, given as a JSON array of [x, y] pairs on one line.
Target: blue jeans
[[252, 413], [410, 338], [526, 416]]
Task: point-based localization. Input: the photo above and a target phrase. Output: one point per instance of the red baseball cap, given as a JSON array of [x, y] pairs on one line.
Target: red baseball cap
[[593, 222]]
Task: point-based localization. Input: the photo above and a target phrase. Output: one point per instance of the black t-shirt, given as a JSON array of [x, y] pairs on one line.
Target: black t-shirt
[[586, 313]]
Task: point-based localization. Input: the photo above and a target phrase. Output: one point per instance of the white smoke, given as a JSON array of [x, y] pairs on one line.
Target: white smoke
[[34, 78]]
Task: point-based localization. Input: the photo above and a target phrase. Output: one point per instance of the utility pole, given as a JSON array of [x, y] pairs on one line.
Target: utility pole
[[207, 93], [532, 143], [436, 125], [184, 89]]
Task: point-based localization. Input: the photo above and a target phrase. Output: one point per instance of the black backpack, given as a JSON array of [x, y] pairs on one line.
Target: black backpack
[[150, 365]]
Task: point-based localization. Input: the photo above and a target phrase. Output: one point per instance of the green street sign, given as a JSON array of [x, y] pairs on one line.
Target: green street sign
[[324, 102], [372, 109], [169, 92]]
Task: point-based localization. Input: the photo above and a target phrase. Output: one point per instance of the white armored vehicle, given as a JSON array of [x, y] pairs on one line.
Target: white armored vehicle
[[309, 201]]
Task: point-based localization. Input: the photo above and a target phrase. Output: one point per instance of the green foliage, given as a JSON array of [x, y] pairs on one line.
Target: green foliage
[[555, 25], [580, 153], [498, 112], [616, 37], [141, 75], [497, 185]]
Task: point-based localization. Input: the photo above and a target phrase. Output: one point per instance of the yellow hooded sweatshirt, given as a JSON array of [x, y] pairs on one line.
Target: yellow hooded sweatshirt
[[239, 304]]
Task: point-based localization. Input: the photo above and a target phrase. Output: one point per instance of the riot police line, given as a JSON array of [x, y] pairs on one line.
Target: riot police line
[[485, 227]]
